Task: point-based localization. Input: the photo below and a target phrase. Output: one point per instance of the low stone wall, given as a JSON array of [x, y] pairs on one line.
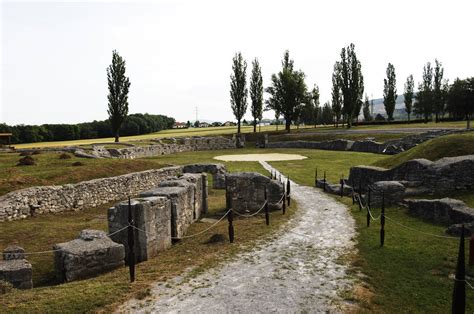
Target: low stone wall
[[445, 211], [443, 175], [247, 191], [162, 147], [74, 197], [92, 253]]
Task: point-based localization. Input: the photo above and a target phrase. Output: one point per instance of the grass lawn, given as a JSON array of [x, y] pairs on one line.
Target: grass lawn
[[413, 272], [106, 291], [335, 163]]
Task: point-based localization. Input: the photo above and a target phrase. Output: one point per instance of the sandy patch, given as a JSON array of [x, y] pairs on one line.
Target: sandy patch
[[260, 157]]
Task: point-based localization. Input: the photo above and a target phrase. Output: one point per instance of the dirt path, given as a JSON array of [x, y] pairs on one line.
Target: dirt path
[[300, 270]]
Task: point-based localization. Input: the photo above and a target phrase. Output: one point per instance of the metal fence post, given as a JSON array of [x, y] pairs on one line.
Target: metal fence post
[[230, 219], [316, 177], [324, 181], [288, 190]]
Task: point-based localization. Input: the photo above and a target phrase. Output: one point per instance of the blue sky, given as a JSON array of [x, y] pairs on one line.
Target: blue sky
[[54, 54]]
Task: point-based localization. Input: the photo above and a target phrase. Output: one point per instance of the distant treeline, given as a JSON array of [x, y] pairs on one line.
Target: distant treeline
[[135, 124]]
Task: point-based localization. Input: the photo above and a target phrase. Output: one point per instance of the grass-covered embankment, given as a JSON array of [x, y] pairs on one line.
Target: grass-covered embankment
[[443, 146]]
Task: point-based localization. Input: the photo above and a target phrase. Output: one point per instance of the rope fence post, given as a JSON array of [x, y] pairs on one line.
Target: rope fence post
[[284, 200], [316, 177], [382, 221], [459, 290], [324, 180], [230, 219], [342, 187], [368, 197], [471, 250], [288, 190], [352, 191], [368, 217], [131, 243], [267, 214]]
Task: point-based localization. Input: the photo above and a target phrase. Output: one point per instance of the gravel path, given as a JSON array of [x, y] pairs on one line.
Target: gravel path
[[300, 270]]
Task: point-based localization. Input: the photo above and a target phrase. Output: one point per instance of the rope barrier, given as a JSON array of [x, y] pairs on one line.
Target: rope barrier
[[370, 213], [201, 232], [251, 215], [422, 232], [467, 282], [58, 250]]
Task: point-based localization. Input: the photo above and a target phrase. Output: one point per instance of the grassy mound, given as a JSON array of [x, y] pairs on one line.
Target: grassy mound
[[444, 146]]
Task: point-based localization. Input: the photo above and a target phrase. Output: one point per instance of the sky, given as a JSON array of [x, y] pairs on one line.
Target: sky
[[178, 54]]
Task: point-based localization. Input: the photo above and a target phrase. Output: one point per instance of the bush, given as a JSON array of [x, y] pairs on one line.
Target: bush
[[64, 156], [22, 154], [26, 161], [77, 164]]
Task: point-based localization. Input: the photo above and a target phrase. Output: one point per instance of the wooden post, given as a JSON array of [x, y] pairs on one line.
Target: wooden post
[[324, 181], [382, 222], [368, 217], [131, 243], [288, 191], [459, 291], [230, 219], [205, 194], [342, 187], [368, 197], [471, 250], [267, 214], [316, 177], [284, 200]]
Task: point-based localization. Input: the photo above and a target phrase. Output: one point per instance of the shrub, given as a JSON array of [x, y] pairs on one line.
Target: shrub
[[25, 154], [64, 156], [77, 164], [26, 161]]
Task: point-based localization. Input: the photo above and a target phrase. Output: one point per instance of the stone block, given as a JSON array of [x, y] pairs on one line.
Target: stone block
[[13, 252], [92, 253], [393, 193], [247, 191], [182, 207], [150, 214], [18, 272], [445, 211], [218, 172]]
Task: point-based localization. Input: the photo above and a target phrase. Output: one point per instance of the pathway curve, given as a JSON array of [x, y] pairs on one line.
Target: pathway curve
[[300, 270]]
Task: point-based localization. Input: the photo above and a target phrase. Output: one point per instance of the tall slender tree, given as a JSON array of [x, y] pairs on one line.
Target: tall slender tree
[[315, 99], [438, 97], [424, 98], [118, 93], [256, 93], [336, 93], [238, 88], [408, 95], [461, 100], [351, 83], [390, 91], [366, 110], [288, 91]]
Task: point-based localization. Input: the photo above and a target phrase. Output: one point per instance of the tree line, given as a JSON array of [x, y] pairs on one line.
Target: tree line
[[135, 124], [290, 97]]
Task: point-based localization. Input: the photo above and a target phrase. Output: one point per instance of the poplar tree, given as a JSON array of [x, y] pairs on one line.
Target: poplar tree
[[118, 85], [351, 83], [438, 97], [238, 88], [390, 91], [256, 93], [366, 110], [336, 93], [408, 95], [424, 98]]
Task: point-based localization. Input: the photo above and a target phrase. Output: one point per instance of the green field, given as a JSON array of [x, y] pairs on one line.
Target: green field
[[214, 131]]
